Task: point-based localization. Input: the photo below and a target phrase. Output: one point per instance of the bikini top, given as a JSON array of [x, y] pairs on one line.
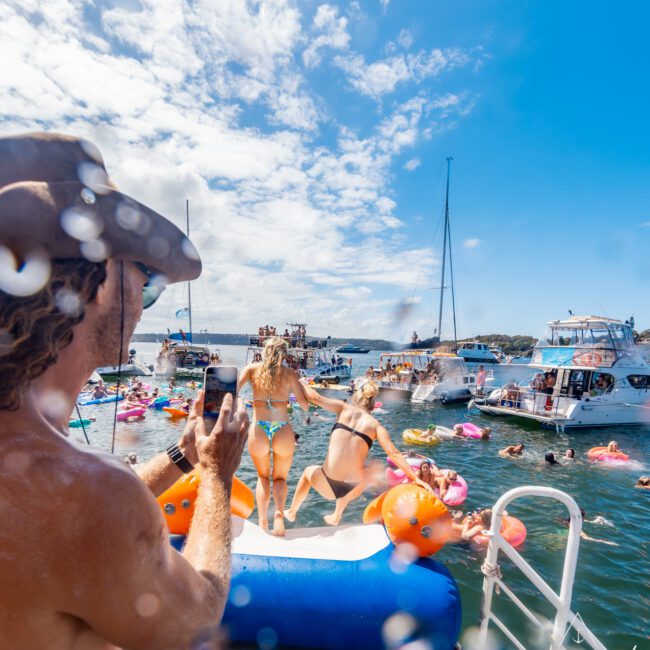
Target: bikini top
[[367, 439]]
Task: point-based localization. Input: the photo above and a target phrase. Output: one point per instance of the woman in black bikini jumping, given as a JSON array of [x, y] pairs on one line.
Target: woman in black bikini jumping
[[342, 475]]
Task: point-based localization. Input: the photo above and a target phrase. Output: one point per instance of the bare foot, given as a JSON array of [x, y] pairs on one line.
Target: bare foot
[[278, 524], [332, 519], [289, 515]]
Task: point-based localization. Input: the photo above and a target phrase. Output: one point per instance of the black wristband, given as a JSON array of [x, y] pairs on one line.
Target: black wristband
[[177, 457]]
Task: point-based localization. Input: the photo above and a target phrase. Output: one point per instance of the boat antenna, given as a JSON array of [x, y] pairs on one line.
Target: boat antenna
[[189, 286], [444, 251]]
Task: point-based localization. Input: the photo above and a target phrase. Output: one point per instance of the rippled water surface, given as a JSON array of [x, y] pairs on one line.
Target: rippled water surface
[[612, 586]]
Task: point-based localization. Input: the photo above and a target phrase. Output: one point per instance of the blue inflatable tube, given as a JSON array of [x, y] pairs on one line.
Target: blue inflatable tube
[[291, 596], [102, 400]]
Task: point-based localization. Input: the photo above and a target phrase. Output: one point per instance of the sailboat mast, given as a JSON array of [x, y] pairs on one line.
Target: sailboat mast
[[189, 286], [444, 252], [453, 291]]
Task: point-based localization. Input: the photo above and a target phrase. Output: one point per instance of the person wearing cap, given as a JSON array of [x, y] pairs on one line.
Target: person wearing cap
[[86, 561]]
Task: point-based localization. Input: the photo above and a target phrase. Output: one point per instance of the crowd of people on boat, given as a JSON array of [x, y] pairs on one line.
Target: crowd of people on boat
[[295, 338], [404, 372]]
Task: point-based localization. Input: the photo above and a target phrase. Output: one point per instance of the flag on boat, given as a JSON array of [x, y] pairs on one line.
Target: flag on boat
[[182, 312]]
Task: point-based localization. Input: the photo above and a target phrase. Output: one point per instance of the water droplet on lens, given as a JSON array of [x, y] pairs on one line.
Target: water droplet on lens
[[17, 462], [53, 403], [240, 596], [95, 250], [88, 196], [189, 250], [6, 341], [31, 278], [81, 224], [267, 639], [94, 177], [158, 247], [147, 605], [68, 302], [128, 216], [398, 628]]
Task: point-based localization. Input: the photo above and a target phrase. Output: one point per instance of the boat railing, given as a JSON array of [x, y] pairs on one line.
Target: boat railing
[[565, 618]]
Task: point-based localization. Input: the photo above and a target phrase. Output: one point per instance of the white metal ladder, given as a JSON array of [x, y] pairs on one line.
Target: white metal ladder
[[564, 616]]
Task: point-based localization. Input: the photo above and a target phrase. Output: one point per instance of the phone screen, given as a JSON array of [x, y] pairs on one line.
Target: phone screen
[[219, 380]]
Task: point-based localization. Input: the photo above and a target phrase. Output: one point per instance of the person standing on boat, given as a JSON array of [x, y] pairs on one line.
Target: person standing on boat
[[343, 476], [86, 560], [481, 376], [272, 383]]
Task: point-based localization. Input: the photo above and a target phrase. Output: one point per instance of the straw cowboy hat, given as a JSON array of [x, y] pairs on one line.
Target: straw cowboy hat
[[56, 199]]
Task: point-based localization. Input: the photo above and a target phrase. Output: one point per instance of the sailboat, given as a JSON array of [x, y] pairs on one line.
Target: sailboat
[[434, 341], [178, 356]]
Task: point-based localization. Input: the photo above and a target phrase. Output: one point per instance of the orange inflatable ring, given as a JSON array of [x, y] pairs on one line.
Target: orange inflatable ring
[[372, 513], [174, 412], [512, 530], [601, 453], [415, 516], [177, 503]]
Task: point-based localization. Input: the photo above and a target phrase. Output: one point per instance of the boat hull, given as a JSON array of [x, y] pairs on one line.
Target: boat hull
[[333, 588]]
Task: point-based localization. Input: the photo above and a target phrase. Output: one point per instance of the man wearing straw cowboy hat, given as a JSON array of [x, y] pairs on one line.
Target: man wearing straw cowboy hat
[[84, 555]]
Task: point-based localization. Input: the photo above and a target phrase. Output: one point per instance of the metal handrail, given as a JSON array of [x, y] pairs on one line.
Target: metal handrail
[[565, 618]]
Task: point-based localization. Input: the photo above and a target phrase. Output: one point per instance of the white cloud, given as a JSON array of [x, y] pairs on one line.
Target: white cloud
[[645, 224], [382, 77], [472, 242], [279, 215], [412, 164], [332, 32], [405, 38]]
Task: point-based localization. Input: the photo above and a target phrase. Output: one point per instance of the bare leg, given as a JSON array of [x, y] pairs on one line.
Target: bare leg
[[311, 477], [284, 443], [342, 504], [258, 446]]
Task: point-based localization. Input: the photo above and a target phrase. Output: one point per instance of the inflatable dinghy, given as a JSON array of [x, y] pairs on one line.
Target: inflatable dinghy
[[333, 587]]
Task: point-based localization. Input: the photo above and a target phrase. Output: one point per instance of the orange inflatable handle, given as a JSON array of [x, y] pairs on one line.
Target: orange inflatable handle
[[372, 513], [177, 502]]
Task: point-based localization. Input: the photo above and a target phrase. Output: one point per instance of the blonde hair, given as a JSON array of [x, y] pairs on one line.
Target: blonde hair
[[275, 350], [364, 395]]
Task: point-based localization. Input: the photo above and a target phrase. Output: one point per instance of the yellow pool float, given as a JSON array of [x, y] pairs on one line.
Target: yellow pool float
[[412, 437]]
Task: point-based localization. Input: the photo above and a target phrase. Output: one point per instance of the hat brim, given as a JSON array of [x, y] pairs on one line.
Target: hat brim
[[68, 220]]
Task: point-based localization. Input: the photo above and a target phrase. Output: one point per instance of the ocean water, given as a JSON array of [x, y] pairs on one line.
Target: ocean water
[[612, 585]]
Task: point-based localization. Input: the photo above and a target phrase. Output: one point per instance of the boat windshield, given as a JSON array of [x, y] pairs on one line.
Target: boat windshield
[[612, 336]]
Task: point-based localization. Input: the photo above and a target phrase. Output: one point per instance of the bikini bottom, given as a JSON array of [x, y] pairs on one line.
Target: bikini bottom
[[340, 488], [271, 427]]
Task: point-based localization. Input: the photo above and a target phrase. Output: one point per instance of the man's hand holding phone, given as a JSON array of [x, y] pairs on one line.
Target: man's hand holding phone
[[221, 449]]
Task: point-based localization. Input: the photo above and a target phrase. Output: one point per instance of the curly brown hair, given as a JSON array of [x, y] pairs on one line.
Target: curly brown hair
[[34, 329]]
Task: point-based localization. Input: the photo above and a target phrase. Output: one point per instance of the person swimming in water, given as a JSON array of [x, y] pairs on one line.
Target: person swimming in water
[[612, 447], [473, 524], [270, 430], [570, 454], [343, 475], [512, 451], [643, 482]]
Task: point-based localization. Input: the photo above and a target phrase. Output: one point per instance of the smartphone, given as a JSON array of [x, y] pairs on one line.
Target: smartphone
[[218, 381]]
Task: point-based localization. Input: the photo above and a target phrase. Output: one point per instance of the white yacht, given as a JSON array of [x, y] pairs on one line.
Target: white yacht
[[134, 367], [500, 368], [181, 358], [403, 376], [594, 376]]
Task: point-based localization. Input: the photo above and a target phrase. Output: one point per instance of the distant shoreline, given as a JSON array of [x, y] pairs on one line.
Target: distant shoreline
[[516, 345]]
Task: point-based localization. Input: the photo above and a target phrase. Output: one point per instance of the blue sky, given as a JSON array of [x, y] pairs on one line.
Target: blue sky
[[311, 138]]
